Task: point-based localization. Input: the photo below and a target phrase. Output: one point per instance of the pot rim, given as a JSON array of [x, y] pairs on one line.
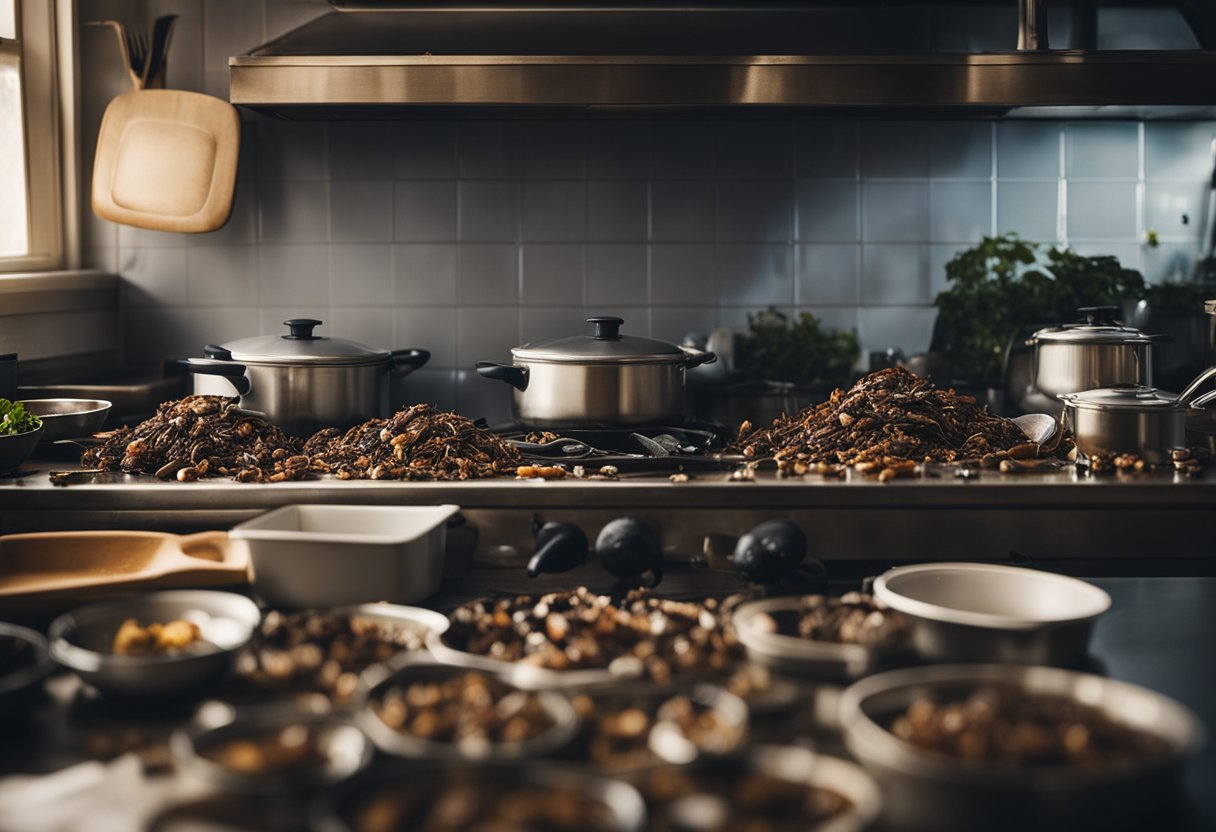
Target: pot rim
[[527, 356]]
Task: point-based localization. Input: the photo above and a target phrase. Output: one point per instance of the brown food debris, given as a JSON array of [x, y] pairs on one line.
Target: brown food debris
[[156, 639], [541, 472]]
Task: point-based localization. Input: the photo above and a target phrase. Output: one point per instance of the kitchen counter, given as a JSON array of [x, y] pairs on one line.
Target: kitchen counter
[[1157, 634], [1087, 525]]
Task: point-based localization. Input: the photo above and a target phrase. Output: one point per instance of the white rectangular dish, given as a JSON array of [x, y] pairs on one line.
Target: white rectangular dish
[[327, 555]]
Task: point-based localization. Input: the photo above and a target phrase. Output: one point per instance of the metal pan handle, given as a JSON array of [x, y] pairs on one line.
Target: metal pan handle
[[235, 373], [1187, 396], [695, 358]]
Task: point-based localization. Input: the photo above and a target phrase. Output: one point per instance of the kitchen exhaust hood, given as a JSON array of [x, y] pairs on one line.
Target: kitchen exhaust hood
[[983, 57]]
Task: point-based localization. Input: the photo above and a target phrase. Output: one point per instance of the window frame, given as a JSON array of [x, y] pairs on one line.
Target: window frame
[[39, 48]]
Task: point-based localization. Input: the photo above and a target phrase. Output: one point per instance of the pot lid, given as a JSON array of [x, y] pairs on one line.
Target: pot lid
[[1098, 327], [1122, 397], [300, 346], [606, 346]]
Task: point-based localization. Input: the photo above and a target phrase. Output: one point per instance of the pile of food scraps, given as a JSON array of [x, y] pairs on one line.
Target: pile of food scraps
[[886, 424]]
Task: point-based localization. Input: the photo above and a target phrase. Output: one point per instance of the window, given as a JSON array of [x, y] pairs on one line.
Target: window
[[31, 230]]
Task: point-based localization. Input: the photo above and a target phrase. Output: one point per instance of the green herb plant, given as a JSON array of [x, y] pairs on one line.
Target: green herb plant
[[799, 351], [14, 418], [1006, 284]]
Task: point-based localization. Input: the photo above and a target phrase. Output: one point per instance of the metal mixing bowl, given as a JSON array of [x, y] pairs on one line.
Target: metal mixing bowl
[[68, 418], [18, 686], [15, 448], [961, 612], [81, 640], [923, 789]]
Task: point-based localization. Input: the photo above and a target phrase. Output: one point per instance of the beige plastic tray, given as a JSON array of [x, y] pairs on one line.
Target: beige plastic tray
[[166, 160], [54, 570]]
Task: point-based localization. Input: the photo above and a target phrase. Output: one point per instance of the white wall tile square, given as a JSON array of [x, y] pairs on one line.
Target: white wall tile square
[[371, 325], [670, 323], [618, 150], [682, 274], [222, 275], [554, 211], [425, 275], [553, 149], [432, 386], [487, 149], [1102, 150], [682, 210], [754, 211], [1173, 209], [485, 333], [1101, 209], [754, 149], [424, 211], [432, 328], [842, 318], [1178, 150], [754, 275], [361, 275], [895, 211], [487, 274], [960, 211], [1028, 150], [826, 150], [908, 328], [294, 211], [828, 211], [270, 318], [427, 150], [361, 149], [961, 150], [894, 274], [232, 27], [360, 211], [616, 276], [480, 398], [154, 276], [939, 255], [290, 149], [829, 275], [617, 211], [682, 150], [1168, 262], [894, 150], [489, 210], [552, 275], [1028, 208], [293, 274], [542, 323]]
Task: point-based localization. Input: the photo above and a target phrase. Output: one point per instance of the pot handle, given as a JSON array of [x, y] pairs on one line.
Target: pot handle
[[235, 373], [517, 377], [1187, 397], [406, 361], [695, 358]]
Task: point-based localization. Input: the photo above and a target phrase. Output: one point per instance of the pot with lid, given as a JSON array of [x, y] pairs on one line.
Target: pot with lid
[[1133, 418], [604, 380], [303, 381], [1097, 352]]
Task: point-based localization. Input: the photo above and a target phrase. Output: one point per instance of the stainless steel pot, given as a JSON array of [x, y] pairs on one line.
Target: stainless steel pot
[[1097, 353], [1134, 419], [303, 381], [605, 380]]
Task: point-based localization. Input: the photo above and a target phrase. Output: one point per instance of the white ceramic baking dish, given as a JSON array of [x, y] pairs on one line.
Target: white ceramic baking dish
[[327, 555]]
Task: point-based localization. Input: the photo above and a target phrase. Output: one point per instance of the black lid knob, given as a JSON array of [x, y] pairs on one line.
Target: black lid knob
[[607, 328], [301, 329]]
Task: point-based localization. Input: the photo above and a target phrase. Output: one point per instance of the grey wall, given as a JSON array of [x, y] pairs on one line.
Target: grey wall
[[470, 237]]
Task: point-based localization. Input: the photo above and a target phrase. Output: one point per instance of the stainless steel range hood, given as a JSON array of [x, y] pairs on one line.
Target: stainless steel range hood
[[802, 56]]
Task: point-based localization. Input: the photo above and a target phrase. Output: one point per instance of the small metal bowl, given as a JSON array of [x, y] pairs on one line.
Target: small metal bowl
[[344, 748], [68, 418], [804, 657], [625, 811], [81, 640], [15, 448], [412, 668], [981, 612], [17, 687], [923, 789]]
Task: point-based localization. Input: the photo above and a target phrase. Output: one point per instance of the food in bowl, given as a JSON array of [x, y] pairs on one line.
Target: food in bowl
[[578, 629], [15, 419], [168, 639], [1007, 725], [472, 711], [294, 749], [852, 618]]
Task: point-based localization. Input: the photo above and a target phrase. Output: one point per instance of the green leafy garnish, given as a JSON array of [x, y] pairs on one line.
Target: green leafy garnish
[[14, 418], [800, 351]]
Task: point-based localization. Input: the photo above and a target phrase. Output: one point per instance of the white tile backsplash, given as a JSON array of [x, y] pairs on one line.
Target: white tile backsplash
[[469, 236]]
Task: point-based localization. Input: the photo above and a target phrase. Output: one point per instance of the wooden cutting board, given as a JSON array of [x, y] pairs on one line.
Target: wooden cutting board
[[46, 571], [166, 160]]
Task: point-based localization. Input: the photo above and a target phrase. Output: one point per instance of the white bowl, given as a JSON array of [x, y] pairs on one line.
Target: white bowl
[[331, 555], [962, 612]]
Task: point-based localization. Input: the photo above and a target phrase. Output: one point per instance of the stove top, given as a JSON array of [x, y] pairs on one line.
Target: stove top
[[659, 449]]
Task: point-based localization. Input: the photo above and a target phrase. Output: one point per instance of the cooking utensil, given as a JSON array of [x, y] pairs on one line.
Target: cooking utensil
[[606, 380], [560, 547], [344, 749], [411, 668], [1038, 427], [303, 381], [629, 549], [323, 555], [961, 612], [18, 683], [1134, 419], [82, 641], [1100, 352], [15, 448], [927, 790], [53, 570], [68, 418]]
